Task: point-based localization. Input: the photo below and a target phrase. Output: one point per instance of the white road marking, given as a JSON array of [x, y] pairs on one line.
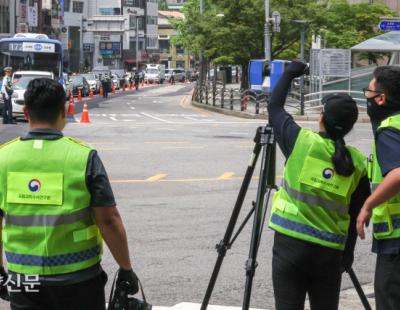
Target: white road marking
[[113, 119], [132, 108], [157, 118]]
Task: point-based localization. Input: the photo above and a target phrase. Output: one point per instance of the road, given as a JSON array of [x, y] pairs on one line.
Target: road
[[176, 171]]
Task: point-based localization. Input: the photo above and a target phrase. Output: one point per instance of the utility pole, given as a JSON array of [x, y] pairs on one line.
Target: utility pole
[[201, 73], [267, 33], [81, 46], [137, 44]]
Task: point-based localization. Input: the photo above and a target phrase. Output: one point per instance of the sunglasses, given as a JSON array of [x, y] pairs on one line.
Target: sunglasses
[[367, 92]]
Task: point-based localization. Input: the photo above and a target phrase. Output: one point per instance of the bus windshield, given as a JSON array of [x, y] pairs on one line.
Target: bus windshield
[[13, 55]]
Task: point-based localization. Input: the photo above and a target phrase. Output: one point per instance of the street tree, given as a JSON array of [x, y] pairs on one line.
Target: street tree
[[232, 31]]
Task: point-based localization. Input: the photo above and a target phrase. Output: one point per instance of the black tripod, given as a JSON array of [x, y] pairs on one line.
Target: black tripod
[[265, 142]]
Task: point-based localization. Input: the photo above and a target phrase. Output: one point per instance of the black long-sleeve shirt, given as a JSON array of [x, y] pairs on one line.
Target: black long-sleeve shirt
[[286, 131]]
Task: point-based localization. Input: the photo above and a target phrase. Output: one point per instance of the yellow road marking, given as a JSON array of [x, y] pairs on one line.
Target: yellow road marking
[[156, 177], [182, 147], [184, 180], [165, 142], [114, 149], [226, 176]]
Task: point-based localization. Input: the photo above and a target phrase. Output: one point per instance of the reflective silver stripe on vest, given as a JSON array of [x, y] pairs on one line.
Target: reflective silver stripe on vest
[[315, 200], [47, 220], [374, 186]]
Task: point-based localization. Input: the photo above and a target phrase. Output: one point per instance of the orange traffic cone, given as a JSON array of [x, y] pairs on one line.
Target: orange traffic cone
[[79, 96], [186, 81], [71, 110], [85, 114], [71, 96], [155, 83], [123, 87], [91, 94], [101, 91], [147, 83], [113, 89], [142, 84]]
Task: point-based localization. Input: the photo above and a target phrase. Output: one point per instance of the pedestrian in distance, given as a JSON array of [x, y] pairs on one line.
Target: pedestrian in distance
[[383, 206], [6, 92], [173, 78], [104, 84], [314, 212], [58, 206]]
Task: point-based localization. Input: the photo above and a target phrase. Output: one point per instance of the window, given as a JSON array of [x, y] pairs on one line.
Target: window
[[141, 23], [110, 11], [132, 22], [152, 42], [151, 20], [163, 46], [77, 7], [66, 5], [135, 3]]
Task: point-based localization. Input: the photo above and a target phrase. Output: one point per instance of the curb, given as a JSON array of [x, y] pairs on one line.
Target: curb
[[304, 118]]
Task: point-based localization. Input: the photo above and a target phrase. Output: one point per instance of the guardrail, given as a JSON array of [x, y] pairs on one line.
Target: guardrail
[[248, 101], [233, 99]]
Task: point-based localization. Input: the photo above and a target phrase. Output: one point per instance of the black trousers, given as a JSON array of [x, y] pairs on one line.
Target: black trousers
[[7, 111], [387, 282], [87, 295], [299, 268]]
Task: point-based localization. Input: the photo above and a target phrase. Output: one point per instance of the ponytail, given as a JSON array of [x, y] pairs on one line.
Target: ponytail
[[341, 159]]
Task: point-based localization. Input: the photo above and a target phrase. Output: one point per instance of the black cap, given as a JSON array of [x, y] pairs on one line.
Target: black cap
[[340, 113]]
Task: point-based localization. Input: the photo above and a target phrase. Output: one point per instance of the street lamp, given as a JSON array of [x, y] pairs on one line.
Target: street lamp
[[303, 27]]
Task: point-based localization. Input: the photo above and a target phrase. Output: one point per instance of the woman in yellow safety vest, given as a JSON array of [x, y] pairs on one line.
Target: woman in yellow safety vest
[[313, 214]]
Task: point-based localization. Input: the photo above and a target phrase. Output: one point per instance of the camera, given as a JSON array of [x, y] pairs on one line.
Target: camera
[[136, 304], [121, 300]]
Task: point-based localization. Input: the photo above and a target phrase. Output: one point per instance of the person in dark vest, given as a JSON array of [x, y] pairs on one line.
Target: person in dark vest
[[58, 207], [314, 211], [383, 206]]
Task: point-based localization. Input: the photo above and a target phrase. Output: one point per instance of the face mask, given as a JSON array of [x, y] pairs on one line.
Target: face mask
[[377, 112]]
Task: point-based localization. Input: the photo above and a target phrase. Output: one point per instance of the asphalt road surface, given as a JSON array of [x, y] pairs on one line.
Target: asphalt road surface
[[176, 171]]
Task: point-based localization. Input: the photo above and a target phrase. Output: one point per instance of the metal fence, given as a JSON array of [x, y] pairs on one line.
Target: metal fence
[[230, 98]]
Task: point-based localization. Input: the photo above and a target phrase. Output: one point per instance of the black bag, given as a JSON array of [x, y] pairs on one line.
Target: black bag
[[9, 90], [119, 300]]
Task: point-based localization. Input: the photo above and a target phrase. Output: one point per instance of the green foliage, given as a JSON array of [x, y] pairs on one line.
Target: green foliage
[[238, 36], [162, 5]]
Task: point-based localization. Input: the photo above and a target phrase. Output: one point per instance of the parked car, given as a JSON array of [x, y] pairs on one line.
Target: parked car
[[20, 80], [155, 72], [93, 81], [179, 74], [79, 82]]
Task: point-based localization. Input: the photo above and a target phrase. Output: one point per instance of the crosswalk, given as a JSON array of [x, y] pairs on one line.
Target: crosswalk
[[194, 306], [167, 118]]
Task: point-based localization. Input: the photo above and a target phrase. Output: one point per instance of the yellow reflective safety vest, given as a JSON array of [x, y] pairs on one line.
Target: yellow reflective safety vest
[[313, 201], [49, 227], [385, 217]]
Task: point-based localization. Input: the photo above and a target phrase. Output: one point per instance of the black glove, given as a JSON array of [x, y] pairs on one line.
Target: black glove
[[296, 69], [129, 278], [3, 288], [347, 261]]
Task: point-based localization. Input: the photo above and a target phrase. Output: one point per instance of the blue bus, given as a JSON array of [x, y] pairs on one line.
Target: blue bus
[[32, 51]]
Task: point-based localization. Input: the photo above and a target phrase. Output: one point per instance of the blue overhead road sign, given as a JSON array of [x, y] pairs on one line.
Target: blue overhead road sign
[[389, 25]]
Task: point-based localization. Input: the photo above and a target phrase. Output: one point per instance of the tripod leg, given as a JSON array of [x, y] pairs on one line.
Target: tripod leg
[[266, 176], [223, 246], [359, 289]]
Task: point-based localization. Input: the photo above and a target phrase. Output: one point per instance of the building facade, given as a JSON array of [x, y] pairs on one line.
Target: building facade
[[171, 56]]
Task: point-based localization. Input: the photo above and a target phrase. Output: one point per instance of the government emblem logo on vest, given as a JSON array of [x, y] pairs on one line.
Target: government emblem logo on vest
[[328, 173], [34, 185]]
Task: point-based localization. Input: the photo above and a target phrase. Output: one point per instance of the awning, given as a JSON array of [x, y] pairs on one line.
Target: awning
[[387, 42]]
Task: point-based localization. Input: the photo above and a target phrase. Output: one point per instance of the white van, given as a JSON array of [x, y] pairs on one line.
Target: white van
[[155, 72], [20, 81]]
